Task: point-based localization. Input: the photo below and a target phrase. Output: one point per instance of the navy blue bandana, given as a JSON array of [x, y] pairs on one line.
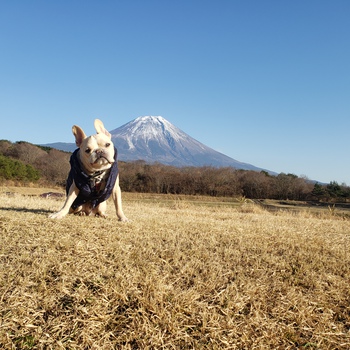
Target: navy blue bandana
[[89, 193]]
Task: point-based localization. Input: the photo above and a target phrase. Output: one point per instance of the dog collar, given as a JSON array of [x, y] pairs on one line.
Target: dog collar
[[96, 180]]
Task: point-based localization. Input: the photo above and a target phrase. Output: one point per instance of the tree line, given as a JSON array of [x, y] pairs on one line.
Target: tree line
[[225, 182], [50, 166]]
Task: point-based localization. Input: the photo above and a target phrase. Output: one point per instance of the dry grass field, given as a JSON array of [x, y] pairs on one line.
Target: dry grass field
[[183, 274]]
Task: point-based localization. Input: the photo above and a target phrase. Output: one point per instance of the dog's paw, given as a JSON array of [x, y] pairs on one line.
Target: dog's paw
[[58, 215], [124, 219], [101, 215]]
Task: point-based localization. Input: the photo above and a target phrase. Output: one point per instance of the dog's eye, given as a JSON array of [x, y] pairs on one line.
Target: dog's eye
[[108, 144], [88, 150]]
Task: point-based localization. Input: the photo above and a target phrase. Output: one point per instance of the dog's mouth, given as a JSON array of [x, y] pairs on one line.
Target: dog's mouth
[[102, 159]]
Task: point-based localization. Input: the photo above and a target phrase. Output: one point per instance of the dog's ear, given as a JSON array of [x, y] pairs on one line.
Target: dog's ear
[[100, 128], [79, 134]]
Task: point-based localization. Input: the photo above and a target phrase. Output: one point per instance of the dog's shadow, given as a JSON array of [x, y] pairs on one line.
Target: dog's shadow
[[27, 210]]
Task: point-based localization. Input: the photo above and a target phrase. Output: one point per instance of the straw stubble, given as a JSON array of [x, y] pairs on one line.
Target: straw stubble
[[180, 275]]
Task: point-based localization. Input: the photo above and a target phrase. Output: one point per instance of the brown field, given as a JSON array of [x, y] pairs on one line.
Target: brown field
[[185, 273]]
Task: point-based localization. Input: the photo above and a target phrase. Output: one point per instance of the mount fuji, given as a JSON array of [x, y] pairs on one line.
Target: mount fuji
[[154, 139]]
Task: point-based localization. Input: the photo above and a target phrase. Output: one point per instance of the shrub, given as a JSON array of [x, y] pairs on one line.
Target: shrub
[[11, 169]]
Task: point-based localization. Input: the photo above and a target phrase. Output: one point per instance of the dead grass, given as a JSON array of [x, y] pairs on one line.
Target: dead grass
[[181, 275]]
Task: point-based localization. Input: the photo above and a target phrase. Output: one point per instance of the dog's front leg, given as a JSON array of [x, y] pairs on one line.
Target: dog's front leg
[[117, 199], [72, 195]]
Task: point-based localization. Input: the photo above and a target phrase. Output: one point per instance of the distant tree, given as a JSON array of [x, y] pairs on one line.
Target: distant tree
[[264, 172], [227, 182], [254, 184], [345, 191], [6, 168], [45, 148], [4, 147], [318, 190], [26, 152], [11, 169], [54, 165], [334, 189]]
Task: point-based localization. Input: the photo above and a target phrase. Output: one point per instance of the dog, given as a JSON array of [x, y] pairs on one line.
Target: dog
[[93, 176]]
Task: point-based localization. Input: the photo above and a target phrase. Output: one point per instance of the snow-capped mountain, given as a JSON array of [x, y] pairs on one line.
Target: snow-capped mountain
[[154, 139]]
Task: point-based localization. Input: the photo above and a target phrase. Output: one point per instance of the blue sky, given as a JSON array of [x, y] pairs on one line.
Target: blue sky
[[263, 81]]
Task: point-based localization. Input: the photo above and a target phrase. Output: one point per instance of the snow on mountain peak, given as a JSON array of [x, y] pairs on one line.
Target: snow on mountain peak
[[154, 128]]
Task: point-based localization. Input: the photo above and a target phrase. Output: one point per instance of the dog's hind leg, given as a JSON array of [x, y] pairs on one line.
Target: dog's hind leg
[[100, 210]]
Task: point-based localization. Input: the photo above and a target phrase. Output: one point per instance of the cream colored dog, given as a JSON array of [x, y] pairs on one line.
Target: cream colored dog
[[93, 176]]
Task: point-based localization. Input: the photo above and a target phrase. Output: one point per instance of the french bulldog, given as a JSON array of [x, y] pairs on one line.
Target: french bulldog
[[93, 176]]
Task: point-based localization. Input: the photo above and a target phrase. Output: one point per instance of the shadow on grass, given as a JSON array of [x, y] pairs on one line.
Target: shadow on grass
[[27, 210]]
